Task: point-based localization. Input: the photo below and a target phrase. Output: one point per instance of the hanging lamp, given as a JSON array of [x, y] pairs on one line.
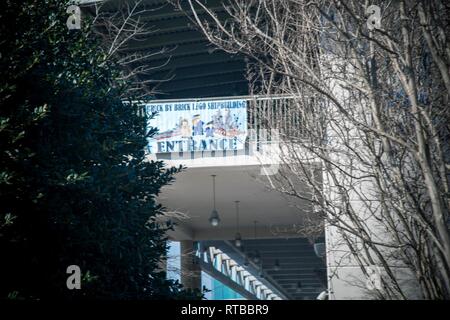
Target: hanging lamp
[[276, 265], [214, 219], [256, 255], [238, 237]]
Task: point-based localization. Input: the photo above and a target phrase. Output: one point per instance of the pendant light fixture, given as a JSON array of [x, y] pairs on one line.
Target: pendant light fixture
[[237, 238], [246, 261], [298, 288], [261, 271], [261, 274], [276, 265], [256, 256], [214, 218]]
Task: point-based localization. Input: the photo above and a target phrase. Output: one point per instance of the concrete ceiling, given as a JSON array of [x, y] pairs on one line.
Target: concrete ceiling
[[195, 68], [298, 264], [192, 195]]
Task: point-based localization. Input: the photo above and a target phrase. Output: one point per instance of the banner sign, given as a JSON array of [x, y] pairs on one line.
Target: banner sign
[[198, 126]]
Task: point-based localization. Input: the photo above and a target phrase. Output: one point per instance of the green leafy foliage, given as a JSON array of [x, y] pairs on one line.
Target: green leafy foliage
[[75, 188]]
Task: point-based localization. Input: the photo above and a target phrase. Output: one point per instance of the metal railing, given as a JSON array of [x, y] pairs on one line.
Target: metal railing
[[269, 118]]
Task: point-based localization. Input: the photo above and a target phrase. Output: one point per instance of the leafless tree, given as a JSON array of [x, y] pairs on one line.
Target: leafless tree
[[121, 25], [368, 107]]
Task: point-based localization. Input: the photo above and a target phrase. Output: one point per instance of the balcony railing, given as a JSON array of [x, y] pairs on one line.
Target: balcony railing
[[269, 119]]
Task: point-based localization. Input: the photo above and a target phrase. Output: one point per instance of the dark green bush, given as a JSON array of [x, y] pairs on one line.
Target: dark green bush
[[75, 188]]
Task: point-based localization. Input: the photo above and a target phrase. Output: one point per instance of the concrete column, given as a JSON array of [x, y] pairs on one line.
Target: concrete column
[[190, 267]]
